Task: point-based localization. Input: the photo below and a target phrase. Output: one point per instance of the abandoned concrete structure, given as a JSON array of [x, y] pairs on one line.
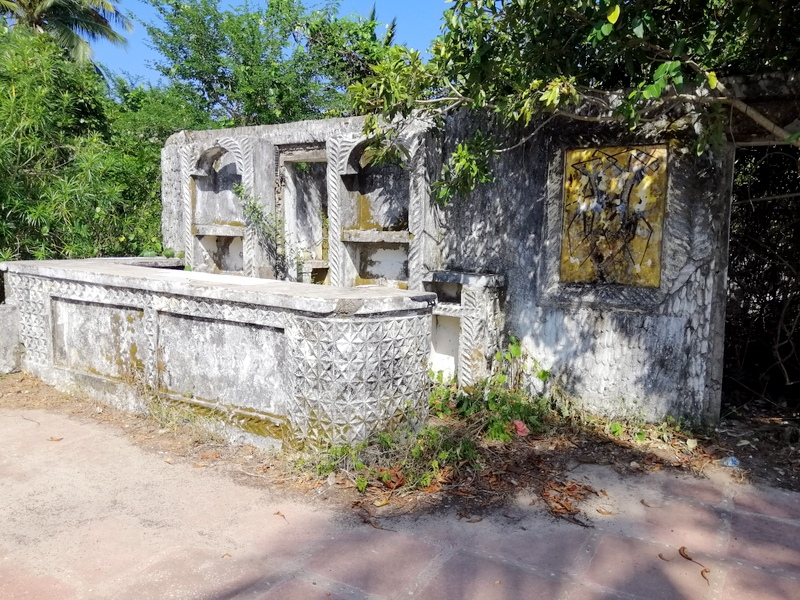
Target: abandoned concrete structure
[[603, 251], [637, 334]]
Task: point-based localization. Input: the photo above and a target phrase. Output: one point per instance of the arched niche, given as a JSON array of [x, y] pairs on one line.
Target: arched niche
[[218, 221], [216, 176]]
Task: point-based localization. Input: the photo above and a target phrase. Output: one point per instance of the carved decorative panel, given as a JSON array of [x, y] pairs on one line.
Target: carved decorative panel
[[32, 297], [338, 150], [353, 377]]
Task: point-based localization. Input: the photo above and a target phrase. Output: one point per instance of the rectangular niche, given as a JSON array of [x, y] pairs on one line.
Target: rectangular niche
[[223, 254], [444, 346], [306, 198], [377, 199], [613, 215], [380, 263]]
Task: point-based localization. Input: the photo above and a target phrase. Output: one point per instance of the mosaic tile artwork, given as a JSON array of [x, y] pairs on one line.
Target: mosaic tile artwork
[[614, 205]]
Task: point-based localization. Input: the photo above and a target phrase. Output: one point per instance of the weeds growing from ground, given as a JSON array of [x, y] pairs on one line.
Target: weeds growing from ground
[[451, 444]]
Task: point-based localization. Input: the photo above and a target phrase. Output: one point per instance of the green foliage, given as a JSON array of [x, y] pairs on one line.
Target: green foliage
[[79, 170], [241, 66], [440, 450], [71, 23], [247, 66], [344, 49], [270, 231], [52, 126], [467, 166], [653, 62], [140, 121], [763, 306]]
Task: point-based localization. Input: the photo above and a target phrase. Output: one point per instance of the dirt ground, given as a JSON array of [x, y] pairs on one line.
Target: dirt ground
[[767, 448]]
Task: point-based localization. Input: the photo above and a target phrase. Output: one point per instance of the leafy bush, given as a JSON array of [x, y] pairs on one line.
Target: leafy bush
[[79, 169]]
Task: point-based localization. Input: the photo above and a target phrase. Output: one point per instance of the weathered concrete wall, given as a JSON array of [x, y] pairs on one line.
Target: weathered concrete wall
[[643, 350], [202, 216], [9, 339], [293, 361], [618, 350]]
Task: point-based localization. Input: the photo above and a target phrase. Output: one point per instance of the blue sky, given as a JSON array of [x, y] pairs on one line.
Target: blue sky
[[418, 22]]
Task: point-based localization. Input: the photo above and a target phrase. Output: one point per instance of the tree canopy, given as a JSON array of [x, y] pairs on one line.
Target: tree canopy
[[80, 155], [248, 66], [650, 62], [71, 23]]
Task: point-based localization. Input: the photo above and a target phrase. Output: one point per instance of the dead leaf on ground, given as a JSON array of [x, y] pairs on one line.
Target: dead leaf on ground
[[605, 512], [54, 439], [705, 573], [685, 554], [661, 556], [281, 515], [645, 503], [605, 493], [226, 555], [392, 478]]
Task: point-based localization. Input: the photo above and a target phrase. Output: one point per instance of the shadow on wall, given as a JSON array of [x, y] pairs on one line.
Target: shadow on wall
[[632, 360]]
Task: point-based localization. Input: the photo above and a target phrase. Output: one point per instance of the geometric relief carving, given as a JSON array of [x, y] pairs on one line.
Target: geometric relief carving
[[613, 215], [218, 310], [31, 296], [476, 346], [338, 149], [353, 377]]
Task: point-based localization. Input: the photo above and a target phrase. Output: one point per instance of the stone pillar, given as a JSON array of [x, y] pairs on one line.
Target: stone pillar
[[9, 339]]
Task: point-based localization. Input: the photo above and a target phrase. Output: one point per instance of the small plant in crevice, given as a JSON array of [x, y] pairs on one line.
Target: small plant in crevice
[[400, 459], [269, 229]]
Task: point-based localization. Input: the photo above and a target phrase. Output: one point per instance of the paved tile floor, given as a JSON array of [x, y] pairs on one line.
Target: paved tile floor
[[93, 516]]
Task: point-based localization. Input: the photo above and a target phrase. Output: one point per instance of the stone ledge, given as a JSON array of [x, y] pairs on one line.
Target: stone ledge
[[301, 297]]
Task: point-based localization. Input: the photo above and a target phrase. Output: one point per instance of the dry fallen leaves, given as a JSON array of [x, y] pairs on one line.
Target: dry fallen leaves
[[561, 498], [54, 439], [704, 573], [392, 478]]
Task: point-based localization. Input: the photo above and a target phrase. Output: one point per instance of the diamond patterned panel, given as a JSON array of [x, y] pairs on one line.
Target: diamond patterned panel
[[354, 376]]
